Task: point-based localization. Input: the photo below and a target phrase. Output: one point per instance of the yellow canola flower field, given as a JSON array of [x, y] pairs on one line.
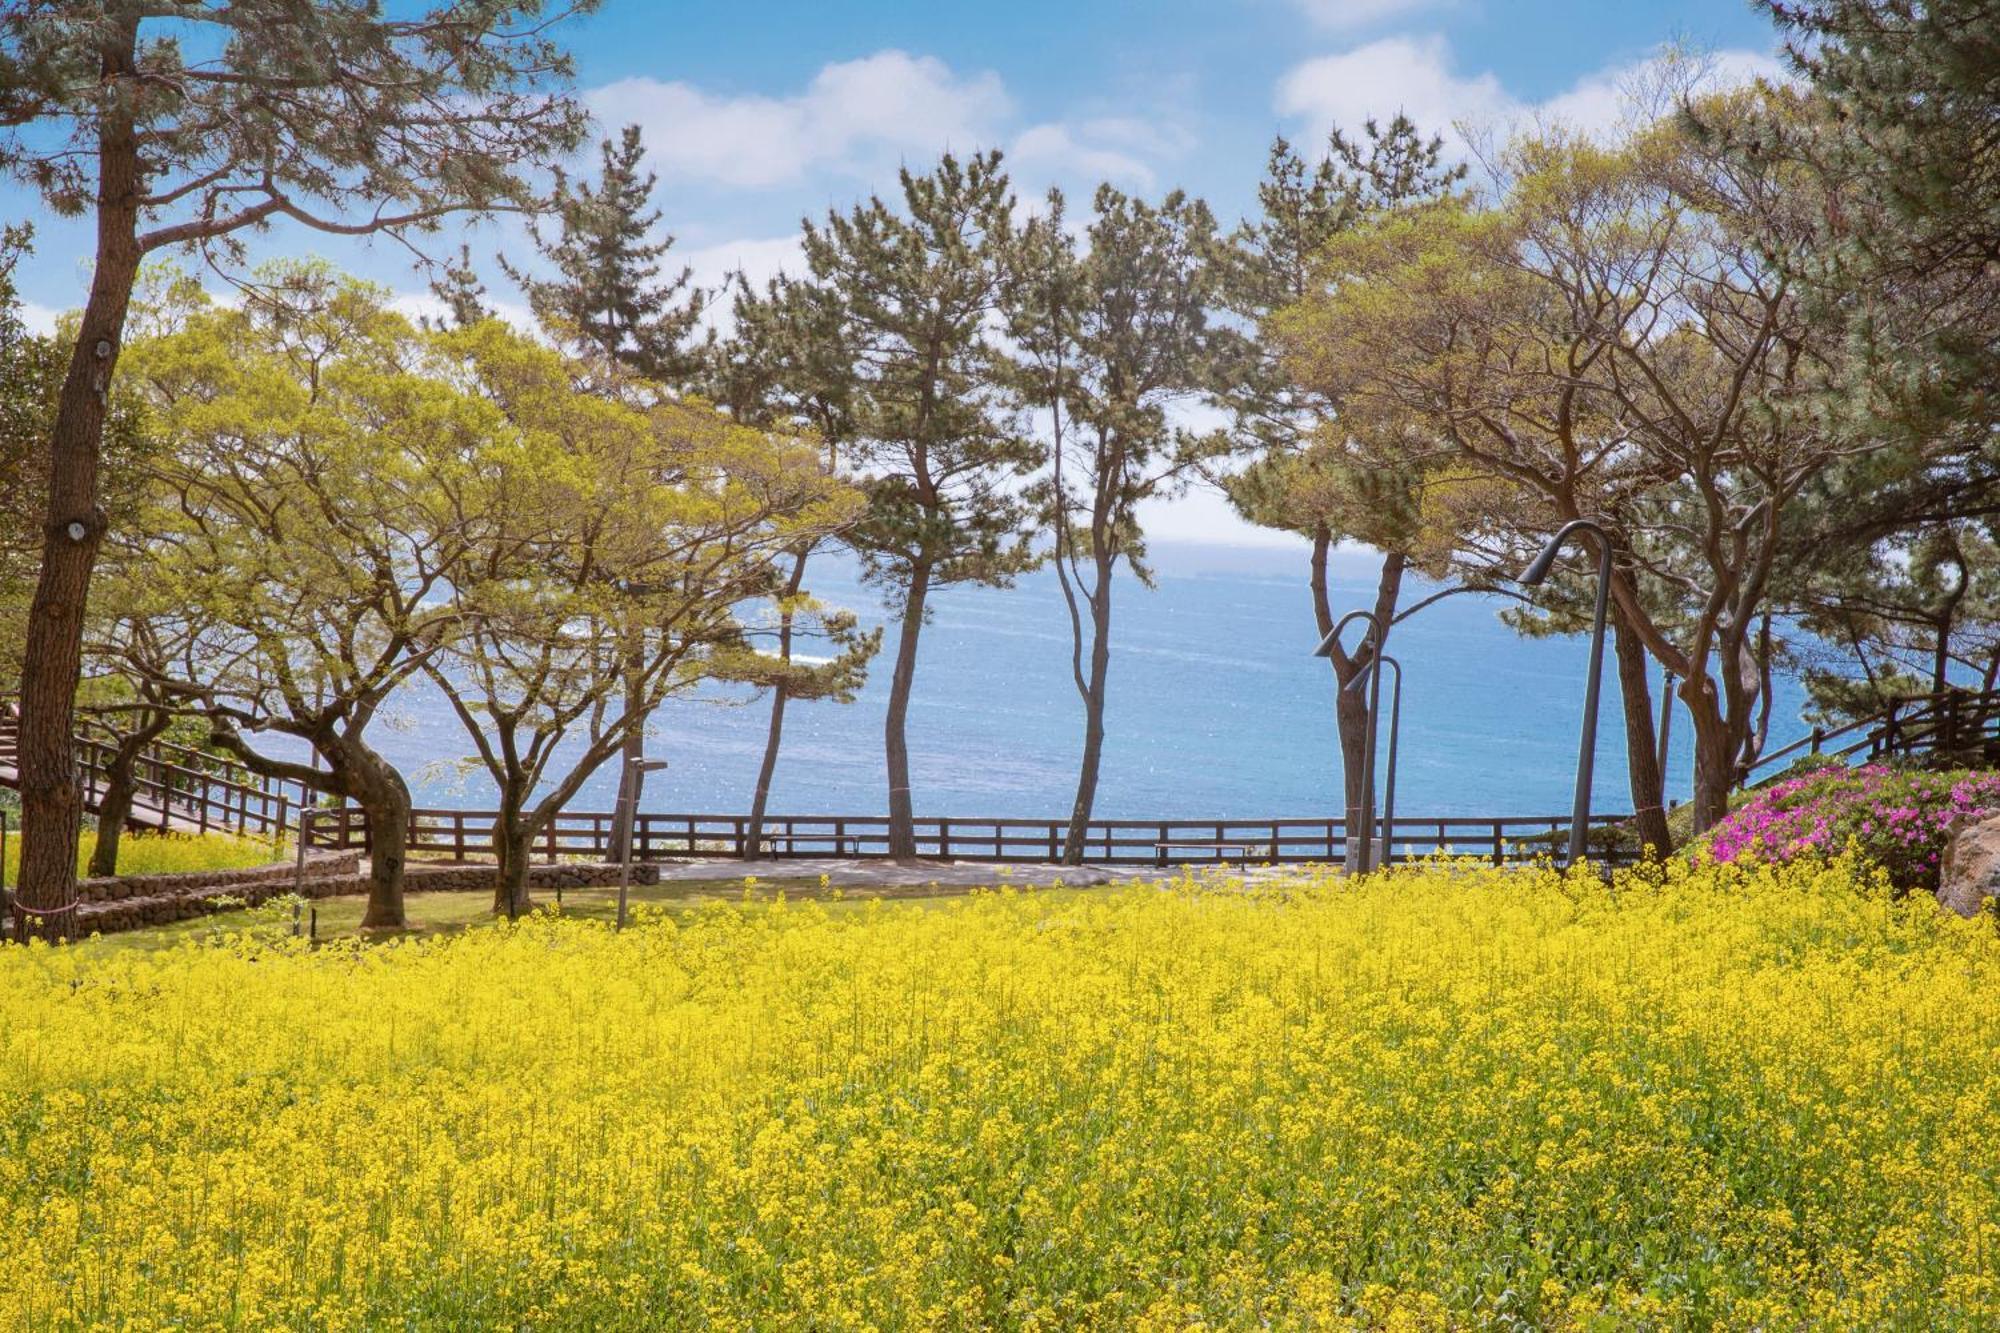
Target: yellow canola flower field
[[1444, 1097]]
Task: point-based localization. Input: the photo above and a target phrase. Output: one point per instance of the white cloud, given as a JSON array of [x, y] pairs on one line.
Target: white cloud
[[1418, 76], [850, 115], [1106, 149], [426, 305], [1344, 14], [1413, 75], [759, 260], [39, 318]]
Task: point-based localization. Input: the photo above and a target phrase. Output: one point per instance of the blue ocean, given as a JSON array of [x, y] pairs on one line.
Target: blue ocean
[[1217, 710]]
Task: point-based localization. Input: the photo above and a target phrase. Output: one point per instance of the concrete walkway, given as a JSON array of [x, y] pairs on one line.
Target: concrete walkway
[[849, 873]]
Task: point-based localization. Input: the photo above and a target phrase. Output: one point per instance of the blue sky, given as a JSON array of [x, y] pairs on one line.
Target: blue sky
[[758, 113]]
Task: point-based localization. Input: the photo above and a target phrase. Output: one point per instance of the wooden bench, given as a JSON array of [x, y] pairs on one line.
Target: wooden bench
[[1222, 847]]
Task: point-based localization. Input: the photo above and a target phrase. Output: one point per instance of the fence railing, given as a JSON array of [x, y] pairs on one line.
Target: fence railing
[[170, 795], [176, 786], [468, 834], [1959, 725]]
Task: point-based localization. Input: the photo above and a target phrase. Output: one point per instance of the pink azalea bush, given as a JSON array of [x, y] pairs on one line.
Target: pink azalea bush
[[1898, 818]]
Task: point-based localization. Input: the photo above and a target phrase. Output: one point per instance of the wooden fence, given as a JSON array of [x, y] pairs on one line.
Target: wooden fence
[[189, 791], [1957, 726], [467, 834]]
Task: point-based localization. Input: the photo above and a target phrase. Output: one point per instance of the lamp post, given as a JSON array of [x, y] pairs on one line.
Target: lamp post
[[1666, 724], [629, 820], [1362, 817], [1532, 577], [1389, 782]]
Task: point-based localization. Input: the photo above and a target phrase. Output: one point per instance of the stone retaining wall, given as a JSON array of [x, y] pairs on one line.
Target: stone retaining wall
[[320, 867], [422, 878], [132, 901]]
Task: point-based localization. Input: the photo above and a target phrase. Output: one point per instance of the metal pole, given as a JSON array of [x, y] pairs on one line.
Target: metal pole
[[1389, 784], [625, 852], [1666, 723], [1579, 817], [1579, 820], [299, 864], [1362, 817], [628, 785]]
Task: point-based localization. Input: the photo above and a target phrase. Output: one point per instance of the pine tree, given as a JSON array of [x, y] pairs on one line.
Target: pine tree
[[911, 294], [608, 296], [608, 302], [1912, 92], [1112, 335], [457, 284], [187, 125], [781, 368]]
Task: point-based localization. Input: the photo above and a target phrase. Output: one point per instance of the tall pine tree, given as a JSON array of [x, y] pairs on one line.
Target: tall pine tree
[[913, 294], [607, 295]]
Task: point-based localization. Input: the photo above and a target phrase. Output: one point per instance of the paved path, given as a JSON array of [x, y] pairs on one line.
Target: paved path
[[849, 873]]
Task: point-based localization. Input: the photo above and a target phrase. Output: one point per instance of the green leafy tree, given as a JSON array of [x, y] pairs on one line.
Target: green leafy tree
[[1909, 92], [607, 299], [1913, 613], [606, 294], [309, 511], [1113, 332], [188, 125], [1613, 340], [913, 295], [633, 536]]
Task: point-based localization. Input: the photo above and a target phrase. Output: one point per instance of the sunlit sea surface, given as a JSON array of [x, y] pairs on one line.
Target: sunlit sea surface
[[1217, 709]]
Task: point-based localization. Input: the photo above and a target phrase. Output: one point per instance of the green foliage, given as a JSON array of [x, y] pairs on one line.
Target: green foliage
[[268, 109], [1302, 479], [629, 530], [1114, 329], [907, 297], [1910, 91], [608, 297]]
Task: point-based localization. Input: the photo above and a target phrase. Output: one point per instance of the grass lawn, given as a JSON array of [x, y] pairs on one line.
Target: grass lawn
[[433, 914], [1441, 1097]]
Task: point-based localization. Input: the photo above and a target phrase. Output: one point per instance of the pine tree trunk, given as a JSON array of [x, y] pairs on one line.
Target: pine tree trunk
[[774, 736], [51, 798], [114, 803], [1642, 758], [1350, 712], [1093, 715], [902, 816]]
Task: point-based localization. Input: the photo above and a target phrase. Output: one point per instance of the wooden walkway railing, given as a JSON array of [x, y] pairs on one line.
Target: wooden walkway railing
[[175, 787], [1957, 726], [467, 834]]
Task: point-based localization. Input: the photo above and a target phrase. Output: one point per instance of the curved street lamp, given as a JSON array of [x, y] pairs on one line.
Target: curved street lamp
[[1362, 817], [1389, 782], [1531, 577]]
